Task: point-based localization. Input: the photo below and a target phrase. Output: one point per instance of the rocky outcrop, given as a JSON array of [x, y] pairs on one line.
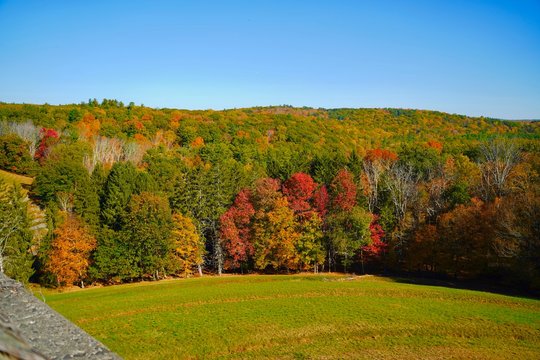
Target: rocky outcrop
[[31, 330]]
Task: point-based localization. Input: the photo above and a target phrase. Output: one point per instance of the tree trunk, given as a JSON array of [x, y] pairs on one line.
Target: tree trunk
[[329, 262], [199, 268], [362, 260]]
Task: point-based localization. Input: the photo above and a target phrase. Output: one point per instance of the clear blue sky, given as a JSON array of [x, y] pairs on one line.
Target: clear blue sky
[[461, 56]]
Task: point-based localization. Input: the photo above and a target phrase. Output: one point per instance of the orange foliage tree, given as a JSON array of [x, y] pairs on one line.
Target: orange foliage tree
[[89, 126], [465, 237], [197, 143], [435, 145], [69, 257]]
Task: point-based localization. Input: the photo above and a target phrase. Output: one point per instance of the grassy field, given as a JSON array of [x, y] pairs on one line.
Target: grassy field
[[302, 317]]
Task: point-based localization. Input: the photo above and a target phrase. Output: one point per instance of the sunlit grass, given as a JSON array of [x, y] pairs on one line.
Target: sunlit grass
[[303, 316]]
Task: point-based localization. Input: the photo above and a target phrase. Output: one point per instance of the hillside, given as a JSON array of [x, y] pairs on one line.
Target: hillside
[[323, 129]]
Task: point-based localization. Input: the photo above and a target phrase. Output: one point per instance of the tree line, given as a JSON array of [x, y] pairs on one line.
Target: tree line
[[178, 193]]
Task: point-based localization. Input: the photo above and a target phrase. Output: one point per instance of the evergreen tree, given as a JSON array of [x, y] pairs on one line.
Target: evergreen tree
[[147, 225], [15, 235], [114, 259], [120, 185]]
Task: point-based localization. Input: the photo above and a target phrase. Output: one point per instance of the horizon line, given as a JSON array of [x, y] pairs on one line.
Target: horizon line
[[532, 119]]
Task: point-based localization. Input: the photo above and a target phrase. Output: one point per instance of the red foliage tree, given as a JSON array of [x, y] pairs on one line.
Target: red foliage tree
[[343, 191], [299, 190], [49, 137], [378, 247], [321, 200], [235, 230]]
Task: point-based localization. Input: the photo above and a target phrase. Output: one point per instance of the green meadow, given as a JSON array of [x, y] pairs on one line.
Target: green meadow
[[302, 317]]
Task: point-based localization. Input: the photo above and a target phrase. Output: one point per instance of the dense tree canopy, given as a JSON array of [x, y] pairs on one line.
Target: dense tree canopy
[[167, 192]]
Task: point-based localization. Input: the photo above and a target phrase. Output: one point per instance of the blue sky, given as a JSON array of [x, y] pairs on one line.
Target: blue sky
[[470, 57]]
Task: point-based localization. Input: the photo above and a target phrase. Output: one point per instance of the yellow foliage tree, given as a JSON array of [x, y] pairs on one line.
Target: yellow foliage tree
[[276, 237], [188, 245]]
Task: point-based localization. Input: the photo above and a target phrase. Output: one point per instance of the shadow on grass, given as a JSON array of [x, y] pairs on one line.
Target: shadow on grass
[[477, 285]]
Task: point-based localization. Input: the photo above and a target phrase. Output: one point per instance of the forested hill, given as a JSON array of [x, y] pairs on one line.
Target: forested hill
[[132, 192], [344, 130]]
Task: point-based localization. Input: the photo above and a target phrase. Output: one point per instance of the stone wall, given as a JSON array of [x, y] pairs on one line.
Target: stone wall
[[29, 329]]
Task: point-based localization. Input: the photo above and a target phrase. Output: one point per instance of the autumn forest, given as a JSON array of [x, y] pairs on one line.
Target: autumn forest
[[117, 193]]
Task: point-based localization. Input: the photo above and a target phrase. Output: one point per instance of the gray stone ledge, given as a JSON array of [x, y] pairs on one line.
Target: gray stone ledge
[[31, 330]]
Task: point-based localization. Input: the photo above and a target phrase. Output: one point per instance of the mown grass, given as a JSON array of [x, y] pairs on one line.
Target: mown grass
[[303, 316]]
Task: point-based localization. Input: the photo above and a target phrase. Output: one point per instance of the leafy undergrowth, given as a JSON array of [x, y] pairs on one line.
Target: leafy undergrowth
[[303, 316]]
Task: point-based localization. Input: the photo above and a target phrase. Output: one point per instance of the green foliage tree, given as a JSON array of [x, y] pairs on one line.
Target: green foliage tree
[[310, 247], [165, 169], [15, 235], [421, 158], [284, 161], [348, 232], [114, 259], [120, 185], [14, 155], [74, 115], [326, 165], [147, 225], [63, 180], [99, 179]]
